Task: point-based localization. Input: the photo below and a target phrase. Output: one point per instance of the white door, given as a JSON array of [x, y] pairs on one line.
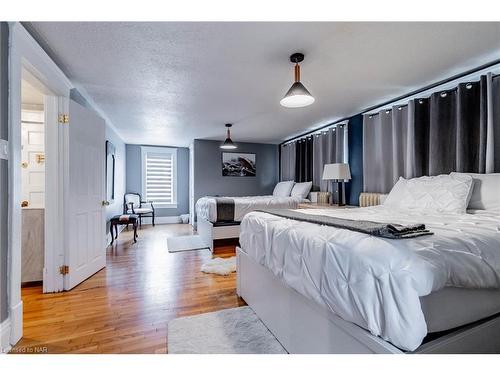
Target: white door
[[86, 251], [33, 159]]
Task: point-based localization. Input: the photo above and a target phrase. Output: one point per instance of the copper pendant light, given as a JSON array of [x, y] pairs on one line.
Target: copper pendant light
[[228, 143], [297, 96]]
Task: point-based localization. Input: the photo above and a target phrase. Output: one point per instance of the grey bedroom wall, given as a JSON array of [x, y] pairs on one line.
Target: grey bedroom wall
[[4, 92], [116, 207], [134, 178], [208, 179]]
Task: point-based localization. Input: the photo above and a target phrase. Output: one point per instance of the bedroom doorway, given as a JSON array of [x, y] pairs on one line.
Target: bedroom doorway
[[32, 182]]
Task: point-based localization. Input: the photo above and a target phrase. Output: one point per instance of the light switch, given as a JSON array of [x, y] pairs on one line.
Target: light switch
[[4, 149]]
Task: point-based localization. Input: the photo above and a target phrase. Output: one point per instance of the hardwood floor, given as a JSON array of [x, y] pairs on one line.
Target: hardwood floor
[[125, 307]]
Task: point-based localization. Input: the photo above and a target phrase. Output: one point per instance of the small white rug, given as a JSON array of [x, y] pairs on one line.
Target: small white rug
[[231, 331], [220, 266], [185, 243]]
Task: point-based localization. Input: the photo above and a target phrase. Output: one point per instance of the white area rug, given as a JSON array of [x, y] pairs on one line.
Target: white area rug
[[185, 243], [220, 266], [231, 331]]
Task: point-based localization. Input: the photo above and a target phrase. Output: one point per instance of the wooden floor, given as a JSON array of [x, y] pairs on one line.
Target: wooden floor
[[125, 307]]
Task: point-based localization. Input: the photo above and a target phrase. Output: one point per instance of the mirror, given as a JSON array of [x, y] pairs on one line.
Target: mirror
[[110, 172]]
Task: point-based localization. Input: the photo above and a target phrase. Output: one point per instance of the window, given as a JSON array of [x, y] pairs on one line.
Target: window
[[159, 176]]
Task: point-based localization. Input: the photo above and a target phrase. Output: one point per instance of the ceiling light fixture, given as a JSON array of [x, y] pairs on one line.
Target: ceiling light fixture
[[228, 143], [297, 96]]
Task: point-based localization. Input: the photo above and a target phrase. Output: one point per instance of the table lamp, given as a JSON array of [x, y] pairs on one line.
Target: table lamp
[[338, 172]]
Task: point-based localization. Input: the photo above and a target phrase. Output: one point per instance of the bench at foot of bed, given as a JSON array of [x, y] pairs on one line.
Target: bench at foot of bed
[[210, 232]]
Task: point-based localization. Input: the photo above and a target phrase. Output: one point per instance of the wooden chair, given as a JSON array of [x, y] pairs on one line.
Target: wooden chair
[[133, 204]]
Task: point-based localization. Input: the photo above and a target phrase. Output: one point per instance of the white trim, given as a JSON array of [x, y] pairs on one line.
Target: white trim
[[16, 322], [160, 150], [163, 220], [4, 336], [25, 55]]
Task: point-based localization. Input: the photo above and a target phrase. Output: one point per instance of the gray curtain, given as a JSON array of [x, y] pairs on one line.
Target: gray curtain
[[453, 130], [287, 172], [493, 125], [328, 147], [303, 160]]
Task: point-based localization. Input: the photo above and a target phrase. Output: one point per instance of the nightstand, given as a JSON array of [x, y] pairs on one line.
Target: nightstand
[[323, 206]]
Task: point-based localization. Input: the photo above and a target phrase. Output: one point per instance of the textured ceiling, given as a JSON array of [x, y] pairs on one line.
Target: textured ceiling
[[167, 83]]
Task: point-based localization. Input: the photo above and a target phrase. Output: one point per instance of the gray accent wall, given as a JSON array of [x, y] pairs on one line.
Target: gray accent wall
[[208, 179], [134, 178], [4, 126]]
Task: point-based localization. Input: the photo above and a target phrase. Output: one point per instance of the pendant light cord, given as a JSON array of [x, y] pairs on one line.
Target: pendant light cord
[[297, 72]]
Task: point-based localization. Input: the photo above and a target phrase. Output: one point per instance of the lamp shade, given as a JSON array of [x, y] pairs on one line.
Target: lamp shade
[[228, 143], [336, 171], [298, 96]]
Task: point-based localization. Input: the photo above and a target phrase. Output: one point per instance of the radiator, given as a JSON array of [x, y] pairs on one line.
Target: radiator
[[370, 199]]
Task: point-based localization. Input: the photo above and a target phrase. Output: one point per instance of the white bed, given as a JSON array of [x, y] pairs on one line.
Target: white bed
[[206, 207], [397, 291], [286, 194]]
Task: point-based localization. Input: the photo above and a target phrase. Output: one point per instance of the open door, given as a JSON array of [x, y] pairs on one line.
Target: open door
[[85, 189]]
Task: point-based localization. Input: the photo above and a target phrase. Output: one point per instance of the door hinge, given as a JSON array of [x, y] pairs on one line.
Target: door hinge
[[63, 119], [64, 270]]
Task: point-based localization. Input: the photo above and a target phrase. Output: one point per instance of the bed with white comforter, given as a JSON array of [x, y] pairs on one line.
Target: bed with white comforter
[[374, 282], [206, 207]]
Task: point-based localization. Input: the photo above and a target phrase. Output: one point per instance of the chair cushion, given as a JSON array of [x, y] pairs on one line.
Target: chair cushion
[[142, 210], [133, 198], [124, 218]]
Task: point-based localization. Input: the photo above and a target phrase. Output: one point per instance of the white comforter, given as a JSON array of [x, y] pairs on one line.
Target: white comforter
[[206, 207], [375, 282]]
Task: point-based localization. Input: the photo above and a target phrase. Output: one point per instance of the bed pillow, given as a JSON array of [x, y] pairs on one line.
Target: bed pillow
[[485, 192], [283, 189], [439, 194], [301, 189], [396, 194]]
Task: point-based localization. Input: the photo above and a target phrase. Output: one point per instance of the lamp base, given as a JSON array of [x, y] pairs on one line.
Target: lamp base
[[340, 190]]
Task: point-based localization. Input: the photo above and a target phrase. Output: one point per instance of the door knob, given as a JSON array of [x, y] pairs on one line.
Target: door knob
[[105, 203]]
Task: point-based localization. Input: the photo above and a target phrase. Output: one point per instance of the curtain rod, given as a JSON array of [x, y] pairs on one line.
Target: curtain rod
[[401, 97], [312, 132]]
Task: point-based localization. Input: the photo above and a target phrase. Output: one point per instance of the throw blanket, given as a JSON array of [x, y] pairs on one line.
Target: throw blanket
[[391, 231], [225, 209]]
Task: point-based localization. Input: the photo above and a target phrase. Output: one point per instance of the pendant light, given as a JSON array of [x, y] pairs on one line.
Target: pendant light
[[228, 143], [297, 96]]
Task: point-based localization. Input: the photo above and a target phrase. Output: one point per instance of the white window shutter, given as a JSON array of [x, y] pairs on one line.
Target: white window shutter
[[159, 177]]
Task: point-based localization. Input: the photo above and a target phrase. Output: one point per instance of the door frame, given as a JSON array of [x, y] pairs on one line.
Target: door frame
[[26, 55]]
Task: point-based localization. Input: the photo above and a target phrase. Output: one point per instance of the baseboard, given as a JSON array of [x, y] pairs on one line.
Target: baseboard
[[5, 336], [16, 323], [163, 220]]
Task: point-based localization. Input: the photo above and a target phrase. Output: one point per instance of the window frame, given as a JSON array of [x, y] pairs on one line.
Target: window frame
[[145, 150]]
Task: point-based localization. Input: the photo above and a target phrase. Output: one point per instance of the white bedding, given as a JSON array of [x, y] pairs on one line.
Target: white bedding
[[206, 207], [375, 282]]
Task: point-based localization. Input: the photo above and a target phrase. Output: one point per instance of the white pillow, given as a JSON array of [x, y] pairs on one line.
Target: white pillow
[[301, 189], [283, 189], [485, 192], [396, 194], [441, 194]]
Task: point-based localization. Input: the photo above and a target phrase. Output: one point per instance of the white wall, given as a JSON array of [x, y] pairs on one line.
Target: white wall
[[116, 207]]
